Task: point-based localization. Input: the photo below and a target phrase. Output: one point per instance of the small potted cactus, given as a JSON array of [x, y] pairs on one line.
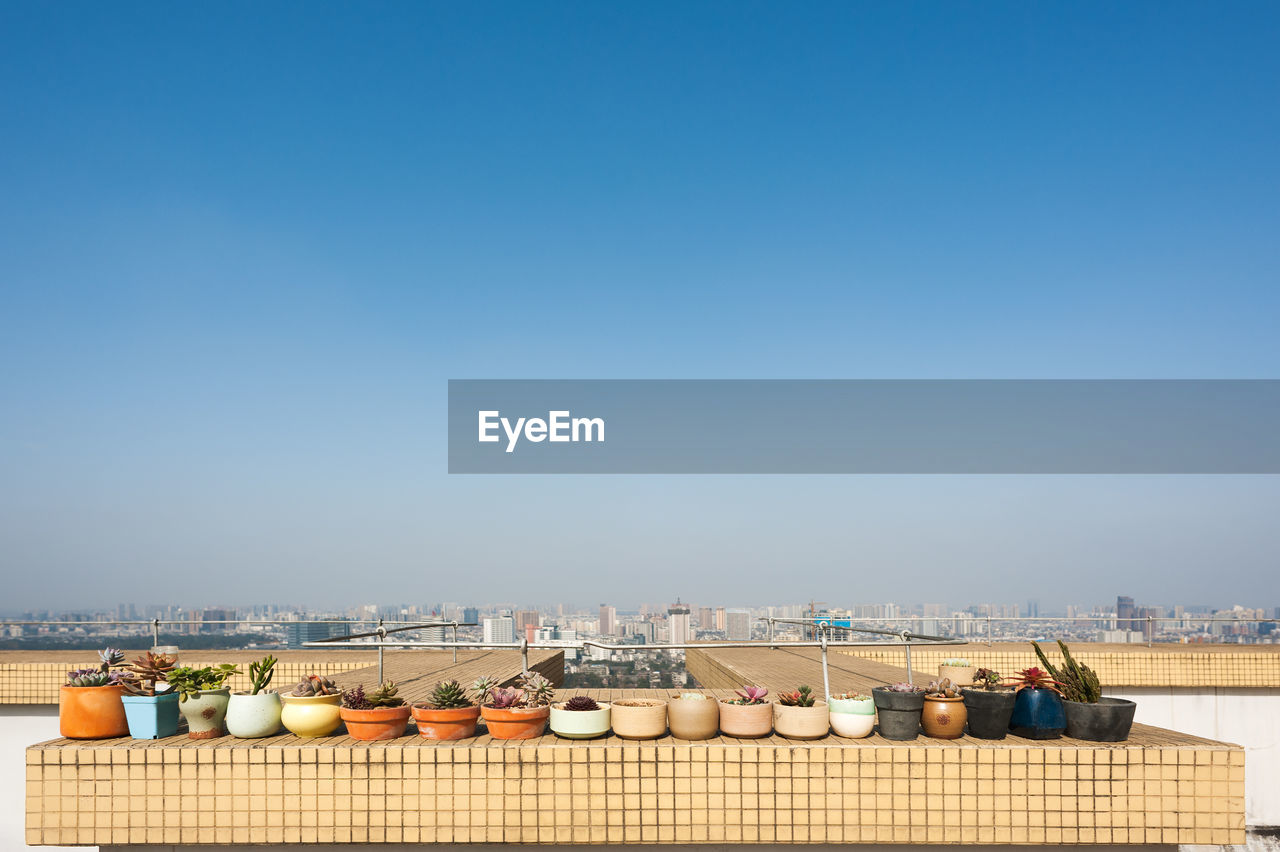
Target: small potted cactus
[[580, 718], [255, 713], [944, 715], [639, 718], [449, 714], [378, 715], [311, 709], [149, 705], [89, 705], [1038, 713], [693, 716], [518, 713], [801, 715], [852, 715], [989, 704], [958, 670], [748, 715], [203, 697], [898, 707], [1090, 716]]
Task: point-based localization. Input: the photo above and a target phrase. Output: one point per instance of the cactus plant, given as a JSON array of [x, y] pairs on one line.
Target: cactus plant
[[145, 672], [261, 672], [802, 697], [449, 694], [1078, 682], [313, 685]]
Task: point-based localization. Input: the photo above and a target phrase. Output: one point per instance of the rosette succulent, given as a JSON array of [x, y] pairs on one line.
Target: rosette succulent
[[449, 695], [802, 697], [749, 695], [383, 696], [581, 702], [103, 674]]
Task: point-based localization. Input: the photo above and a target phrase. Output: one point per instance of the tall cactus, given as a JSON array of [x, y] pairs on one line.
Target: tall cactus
[[1079, 683]]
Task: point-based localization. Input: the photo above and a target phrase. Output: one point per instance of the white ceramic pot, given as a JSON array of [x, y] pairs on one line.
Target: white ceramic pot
[[579, 724], [253, 716], [853, 725], [205, 712]]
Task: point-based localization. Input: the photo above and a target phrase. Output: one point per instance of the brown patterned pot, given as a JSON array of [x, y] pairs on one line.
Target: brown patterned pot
[[944, 718]]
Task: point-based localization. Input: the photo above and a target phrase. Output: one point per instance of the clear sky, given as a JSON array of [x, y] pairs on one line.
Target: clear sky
[[243, 247]]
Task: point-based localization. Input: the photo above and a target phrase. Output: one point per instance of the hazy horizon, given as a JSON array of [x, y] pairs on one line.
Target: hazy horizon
[[245, 248]]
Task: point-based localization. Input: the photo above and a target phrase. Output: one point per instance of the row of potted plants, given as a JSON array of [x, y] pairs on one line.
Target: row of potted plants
[[144, 700]]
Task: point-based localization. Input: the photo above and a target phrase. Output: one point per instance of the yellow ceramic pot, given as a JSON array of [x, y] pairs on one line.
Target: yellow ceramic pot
[[311, 715]]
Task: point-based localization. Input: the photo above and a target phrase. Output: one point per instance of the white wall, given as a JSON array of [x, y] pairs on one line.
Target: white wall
[[1247, 717], [21, 725]]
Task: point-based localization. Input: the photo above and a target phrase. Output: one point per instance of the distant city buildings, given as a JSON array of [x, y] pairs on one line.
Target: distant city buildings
[[679, 629], [738, 624], [499, 630], [608, 620]]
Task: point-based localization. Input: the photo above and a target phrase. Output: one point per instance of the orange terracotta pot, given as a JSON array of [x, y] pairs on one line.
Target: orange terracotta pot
[[92, 712], [520, 723], [454, 723], [380, 723], [944, 718]]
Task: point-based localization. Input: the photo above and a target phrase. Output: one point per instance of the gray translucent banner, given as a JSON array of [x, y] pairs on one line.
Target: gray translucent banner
[[855, 426]]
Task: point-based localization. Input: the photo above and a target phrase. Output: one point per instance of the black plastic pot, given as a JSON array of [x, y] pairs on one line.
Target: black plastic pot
[[899, 713], [1108, 721], [989, 712]]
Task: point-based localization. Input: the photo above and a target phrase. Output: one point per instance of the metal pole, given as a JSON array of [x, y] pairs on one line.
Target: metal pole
[[772, 646], [524, 653], [826, 680], [455, 641], [155, 632], [382, 638], [988, 631], [1150, 631], [907, 647]]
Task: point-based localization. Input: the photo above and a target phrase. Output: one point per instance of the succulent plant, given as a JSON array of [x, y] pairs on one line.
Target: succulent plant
[[943, 688], [692, 696], [449, 694], [1078, 682], [1034, 678], [261, 672], [802, 697], [102, 675], [482, 687], [581, 702], [957, 661], [537, 690], [903, 686], [313, 685], [383, 696], [504, 698], [749, 695], [850, 696], [988, 679], [188, 681], [145, 672]]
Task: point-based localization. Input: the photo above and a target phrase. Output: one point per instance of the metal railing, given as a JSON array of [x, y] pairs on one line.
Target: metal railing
[[822, 628]]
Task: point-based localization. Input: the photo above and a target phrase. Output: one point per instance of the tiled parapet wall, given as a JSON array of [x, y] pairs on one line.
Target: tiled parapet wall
[[1116, 665], [1158, 788], [35, 677]]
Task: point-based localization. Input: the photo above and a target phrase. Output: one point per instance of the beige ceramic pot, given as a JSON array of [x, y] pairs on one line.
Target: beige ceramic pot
[[747, 721], [801, 723], [639, 718], [692, 718], [960, 675]]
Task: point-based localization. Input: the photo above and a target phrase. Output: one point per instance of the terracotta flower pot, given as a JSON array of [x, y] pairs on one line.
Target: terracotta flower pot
[[960, 675], [452, 723], [205, 712], [311, 715], [639, 718], [518, 723], [802, 723], [943, 718], [746, 721], [693, 719], [378, 723], [92, 712]]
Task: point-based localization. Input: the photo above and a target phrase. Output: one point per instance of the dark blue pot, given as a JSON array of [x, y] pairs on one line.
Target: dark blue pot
[[1038, 714]]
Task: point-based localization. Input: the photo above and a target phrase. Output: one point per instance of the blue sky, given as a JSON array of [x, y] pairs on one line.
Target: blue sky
[[243, 247]]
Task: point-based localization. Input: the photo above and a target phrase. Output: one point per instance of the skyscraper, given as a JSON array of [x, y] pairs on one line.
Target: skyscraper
[[608, 620], [500, 629], [738, 624], [678, 629], [1124, 613], [526, 618]]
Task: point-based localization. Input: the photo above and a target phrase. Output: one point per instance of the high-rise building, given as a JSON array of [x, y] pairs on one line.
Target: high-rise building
[[706, 618], [470, 615], [298, 632], [499, 629], [526, 618], [720, 619], [608, 620], [679, 631], [1124, 613], [738, 624]]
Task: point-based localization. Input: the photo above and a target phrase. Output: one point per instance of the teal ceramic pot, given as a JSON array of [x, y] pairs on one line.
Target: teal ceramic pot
[[151, 717]]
